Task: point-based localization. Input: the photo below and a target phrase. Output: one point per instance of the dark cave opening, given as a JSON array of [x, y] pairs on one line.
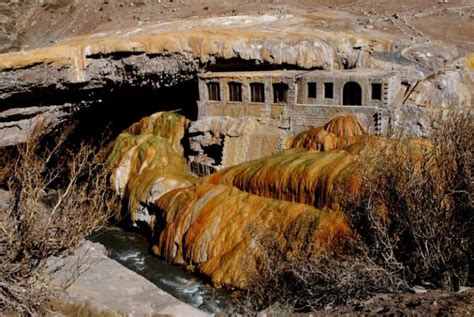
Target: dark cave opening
[[238, 64], [115, 108]]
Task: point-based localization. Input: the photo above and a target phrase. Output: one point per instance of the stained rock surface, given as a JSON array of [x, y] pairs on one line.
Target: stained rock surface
[[214, 229], [147, 161], [214, 225], [338, 133]]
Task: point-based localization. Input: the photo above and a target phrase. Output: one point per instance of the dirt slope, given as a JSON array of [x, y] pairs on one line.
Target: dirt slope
[[32, 24]]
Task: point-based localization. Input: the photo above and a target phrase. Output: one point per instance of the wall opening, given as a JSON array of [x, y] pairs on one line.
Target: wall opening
[[214, 152], [280, 93], [329, 90], [352, 94], [376, 91], [213, 90], [257, 92], [235, 91], [312, 90]]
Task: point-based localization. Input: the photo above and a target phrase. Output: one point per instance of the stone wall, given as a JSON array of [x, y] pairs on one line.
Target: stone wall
[[266, 109], [299, 112], [390, 82], [303, 117]]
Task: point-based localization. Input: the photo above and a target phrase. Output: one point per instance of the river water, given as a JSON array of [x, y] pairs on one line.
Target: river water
[[132, 250]]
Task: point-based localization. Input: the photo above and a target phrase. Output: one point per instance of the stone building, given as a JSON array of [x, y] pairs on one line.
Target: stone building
[[301, 99], [249, 114]]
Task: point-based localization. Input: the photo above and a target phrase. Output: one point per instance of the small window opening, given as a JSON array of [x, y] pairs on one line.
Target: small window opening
[[214, 91], [214, 152], [235, 91], [257, 92], [328, 90], [376, 91], [280, 92], [312, 90]]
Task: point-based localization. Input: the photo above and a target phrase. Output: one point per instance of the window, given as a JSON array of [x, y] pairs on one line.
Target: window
[[257, 92], [280, 92], [235, 91], [376, 91], [214, 91], [328, 90], [312, 90]]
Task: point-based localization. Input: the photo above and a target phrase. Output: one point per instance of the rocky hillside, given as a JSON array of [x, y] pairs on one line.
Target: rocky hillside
[[84, 56], [31, 24]]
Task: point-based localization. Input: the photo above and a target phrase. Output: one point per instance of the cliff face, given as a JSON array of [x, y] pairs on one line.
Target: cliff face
[[74, 74], [226, 141]]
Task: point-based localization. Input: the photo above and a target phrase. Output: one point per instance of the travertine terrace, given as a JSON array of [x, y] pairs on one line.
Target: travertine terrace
[[230, 120]]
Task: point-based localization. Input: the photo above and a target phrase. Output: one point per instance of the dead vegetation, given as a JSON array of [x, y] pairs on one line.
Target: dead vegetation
[[82, 310], [425, 233], [413, 222], [59, 195]]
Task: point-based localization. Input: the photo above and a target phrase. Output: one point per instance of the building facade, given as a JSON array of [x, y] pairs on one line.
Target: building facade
[[299, 100]]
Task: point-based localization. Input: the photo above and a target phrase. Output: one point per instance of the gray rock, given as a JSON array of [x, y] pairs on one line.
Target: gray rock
[[91, 277]]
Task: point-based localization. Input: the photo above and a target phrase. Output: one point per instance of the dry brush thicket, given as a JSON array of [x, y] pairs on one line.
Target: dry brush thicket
[[58, 196], [413, 222]]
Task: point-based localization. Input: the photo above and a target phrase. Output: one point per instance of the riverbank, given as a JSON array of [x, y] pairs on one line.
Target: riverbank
[[92, 278]]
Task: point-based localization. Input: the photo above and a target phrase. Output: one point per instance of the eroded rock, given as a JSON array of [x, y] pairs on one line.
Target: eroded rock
[[106, 285], [224, 141], [213, 229], [147, 162]]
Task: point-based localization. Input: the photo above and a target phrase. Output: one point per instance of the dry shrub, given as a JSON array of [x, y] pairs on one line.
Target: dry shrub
[[426, 232], [313, 280], [82, 310], [413, 222], [59, 195]]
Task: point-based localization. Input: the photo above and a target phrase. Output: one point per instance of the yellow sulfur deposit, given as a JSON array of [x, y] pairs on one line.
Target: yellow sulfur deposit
[[168, 125], [146, 159], [213, 225], [313, 177], [213, 229]]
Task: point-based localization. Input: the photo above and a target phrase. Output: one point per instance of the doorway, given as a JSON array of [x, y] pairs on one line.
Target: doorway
[[352, 94]]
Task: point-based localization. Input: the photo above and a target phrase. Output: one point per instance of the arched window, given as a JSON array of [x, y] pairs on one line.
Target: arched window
[[352, 94]]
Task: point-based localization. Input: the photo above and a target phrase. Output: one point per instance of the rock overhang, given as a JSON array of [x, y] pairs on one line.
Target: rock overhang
[[266, 37]]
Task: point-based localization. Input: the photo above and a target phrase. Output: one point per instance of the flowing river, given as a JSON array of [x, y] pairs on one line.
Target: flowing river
[[132, 250]]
